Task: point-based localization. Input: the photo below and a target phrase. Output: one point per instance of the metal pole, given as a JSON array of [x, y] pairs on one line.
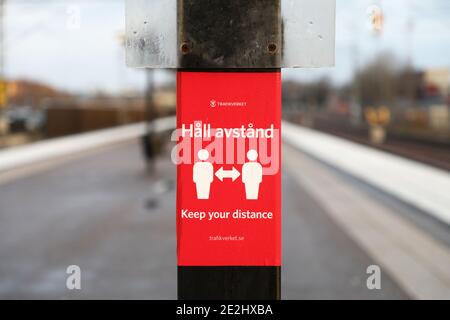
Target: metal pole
[[217, 36], [2, 5], [3, 87], [228, 56], [148, 138]]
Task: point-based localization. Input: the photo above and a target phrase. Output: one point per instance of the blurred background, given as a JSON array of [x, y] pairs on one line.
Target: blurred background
[[109, 207]]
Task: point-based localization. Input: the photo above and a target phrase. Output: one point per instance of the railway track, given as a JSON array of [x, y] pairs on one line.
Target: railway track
[[434, 153]]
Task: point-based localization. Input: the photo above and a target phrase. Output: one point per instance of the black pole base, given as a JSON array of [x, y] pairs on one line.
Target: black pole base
[[229, 283]]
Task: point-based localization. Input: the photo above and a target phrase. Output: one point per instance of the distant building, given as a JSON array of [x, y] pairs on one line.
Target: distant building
[[30, 93], [438, 79]]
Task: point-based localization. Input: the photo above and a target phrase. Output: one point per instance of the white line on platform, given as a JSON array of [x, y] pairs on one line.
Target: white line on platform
[[34, 153], [420, 185]]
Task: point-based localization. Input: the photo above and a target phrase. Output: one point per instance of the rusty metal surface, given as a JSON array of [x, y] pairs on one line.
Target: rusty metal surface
[[232, 34]]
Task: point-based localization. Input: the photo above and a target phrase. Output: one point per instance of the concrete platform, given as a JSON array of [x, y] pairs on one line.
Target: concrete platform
[[101, 211]]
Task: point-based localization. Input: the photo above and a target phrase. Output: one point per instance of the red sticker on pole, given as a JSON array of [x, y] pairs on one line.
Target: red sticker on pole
[[228, 159]]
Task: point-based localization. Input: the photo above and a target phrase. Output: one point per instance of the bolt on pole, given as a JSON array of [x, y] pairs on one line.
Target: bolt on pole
[[229, 56]]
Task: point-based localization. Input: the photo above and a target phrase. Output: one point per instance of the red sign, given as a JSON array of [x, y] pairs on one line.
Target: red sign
[[228, 160]]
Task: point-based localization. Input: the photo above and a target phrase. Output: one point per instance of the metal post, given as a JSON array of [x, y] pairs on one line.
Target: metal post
[[148, 140], [2, 51], [224, 36], [228, 56], [3, 87]]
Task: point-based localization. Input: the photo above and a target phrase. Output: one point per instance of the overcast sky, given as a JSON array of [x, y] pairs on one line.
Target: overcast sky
[[44, 42]]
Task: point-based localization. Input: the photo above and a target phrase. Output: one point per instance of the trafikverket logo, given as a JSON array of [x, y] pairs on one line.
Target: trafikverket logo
[[214, 103]]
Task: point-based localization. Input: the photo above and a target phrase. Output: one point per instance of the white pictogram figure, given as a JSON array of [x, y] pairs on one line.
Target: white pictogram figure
[[252, 175], [203, 175]]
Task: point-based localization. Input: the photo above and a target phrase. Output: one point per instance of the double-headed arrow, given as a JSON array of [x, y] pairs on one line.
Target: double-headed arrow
[[222, 174]]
